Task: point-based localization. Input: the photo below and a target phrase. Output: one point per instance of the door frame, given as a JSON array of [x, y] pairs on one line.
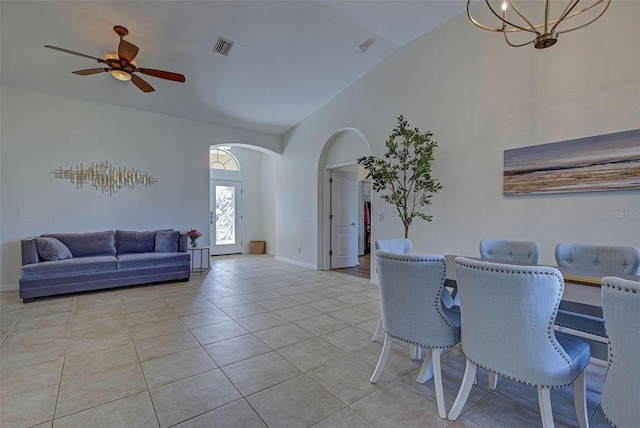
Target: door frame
[[239, 227], [326, 212]]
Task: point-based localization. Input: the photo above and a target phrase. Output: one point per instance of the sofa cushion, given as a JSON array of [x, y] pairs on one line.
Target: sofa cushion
[[70, 266], [147, 260], [50, 249], [166, 241], [88, 244], [135, 242]]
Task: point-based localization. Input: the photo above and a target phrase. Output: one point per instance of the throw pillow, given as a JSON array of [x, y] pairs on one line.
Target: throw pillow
[[167, 241], [51, 249], [135, 242]]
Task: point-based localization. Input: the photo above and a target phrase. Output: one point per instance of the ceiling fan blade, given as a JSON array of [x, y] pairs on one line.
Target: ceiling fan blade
[[55, 48], [127, 51], [90, 71], [162, 74], [141, 84]]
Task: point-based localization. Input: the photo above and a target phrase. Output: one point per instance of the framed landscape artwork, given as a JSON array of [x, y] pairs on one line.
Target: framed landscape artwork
[[592, 164]]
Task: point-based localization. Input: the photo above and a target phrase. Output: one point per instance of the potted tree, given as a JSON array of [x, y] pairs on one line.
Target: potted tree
[[403, 176]]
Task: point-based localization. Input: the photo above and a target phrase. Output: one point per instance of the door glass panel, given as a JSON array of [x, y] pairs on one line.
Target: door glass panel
[[225, 215]]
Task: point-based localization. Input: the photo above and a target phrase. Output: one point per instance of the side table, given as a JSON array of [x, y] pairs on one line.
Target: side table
[[205, 254]]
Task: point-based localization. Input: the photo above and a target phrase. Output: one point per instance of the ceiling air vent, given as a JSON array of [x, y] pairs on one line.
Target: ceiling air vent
[[223, 46]]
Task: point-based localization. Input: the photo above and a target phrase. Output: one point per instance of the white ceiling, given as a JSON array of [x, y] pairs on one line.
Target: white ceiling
[[289, 57]]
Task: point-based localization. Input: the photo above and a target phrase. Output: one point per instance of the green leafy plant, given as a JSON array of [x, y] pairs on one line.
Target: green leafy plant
[[405, 172]]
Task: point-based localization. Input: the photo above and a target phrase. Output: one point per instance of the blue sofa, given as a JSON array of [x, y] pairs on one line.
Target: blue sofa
[[68, 263]]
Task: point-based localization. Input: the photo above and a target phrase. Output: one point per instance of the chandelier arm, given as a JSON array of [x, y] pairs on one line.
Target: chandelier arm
[[582, 10], [570, 6], [506, 39], [531, 28], [517, 28]]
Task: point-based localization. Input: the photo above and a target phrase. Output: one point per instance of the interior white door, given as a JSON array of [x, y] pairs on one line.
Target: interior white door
[[225, 217], [344, 219]]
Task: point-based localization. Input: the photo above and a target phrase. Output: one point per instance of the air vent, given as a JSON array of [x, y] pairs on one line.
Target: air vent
[[223, 46]]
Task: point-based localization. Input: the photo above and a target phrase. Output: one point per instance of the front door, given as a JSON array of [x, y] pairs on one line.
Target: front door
[[344, 219], [225, 217]]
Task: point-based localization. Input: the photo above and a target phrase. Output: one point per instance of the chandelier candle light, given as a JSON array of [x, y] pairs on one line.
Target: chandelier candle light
[[512, 19], [193, 235]]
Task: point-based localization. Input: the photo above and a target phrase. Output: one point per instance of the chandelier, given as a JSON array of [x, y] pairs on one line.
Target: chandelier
[[512, 20]]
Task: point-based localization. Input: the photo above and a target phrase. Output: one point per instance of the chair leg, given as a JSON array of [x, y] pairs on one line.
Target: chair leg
[[437, 377], [544, 402], [426, 371], [383, 358], [415, 352], [465, 389], [493, 380], [377, 332], [580, 400]]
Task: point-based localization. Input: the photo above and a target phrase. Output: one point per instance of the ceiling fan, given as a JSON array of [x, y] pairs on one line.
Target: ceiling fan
[[122, 65]]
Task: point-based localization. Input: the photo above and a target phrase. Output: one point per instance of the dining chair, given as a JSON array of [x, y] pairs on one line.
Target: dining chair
[[412, 311], [399, 246], [621, 388], [608, 259], [512, 251], [508, 329]]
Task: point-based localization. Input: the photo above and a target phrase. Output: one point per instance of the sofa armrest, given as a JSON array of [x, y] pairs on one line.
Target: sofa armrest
[[29, 252], [182, 243]]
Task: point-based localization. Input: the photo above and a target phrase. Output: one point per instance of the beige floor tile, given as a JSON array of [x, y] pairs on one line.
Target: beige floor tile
[[217, 332], [350, 339], [156, 328], [297, 313], [135, 411], [94, 362], [229, 301], [94, 341], [285, 335], [258, 373], [194, 396], [200, 305], [28, 409], [237, 349], [149, 316], [311, 354], [32, 336], [146, 304], [259, 322], [257, 296], [236, 414], [356, 298], [398, 363], [98, 389], [204, 318], [278, 303], [96, 326], [173, 367], [348, 379], [164, 345], [354, 315], [14, 357], [322, 324], [90, 315], [328, 305], [299, 402], [345, 418], [306, 297], [23, 379], [244, 310]]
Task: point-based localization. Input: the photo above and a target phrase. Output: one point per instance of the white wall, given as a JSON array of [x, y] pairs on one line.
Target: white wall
[[258, 197], [481, 97], [41, 132]]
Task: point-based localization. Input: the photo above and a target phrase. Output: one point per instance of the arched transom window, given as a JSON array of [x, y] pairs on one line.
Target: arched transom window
[[220, 158]]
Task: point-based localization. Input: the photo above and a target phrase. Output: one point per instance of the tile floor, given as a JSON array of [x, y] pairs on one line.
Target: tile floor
[[253, 343]]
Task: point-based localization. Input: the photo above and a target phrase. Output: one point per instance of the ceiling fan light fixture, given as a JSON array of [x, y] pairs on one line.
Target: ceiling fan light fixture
[[121, 75]]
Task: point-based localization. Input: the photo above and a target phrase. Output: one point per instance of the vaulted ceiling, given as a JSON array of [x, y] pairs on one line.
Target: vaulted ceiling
[[288, 59]]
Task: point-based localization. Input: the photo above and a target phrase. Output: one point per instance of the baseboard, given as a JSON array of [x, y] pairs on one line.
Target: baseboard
[[9, 287], [296, 262]]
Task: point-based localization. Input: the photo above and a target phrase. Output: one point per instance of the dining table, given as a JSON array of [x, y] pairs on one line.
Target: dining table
[[580, 310]]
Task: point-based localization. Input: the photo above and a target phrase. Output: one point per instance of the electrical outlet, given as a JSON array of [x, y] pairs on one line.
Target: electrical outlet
[[381, 216], [299, 250]]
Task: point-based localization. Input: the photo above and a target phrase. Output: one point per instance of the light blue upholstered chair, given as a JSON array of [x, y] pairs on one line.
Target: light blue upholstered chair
[[511, 251], [399, 246], [504, 250], [412, 311], [621, 389], [508, 328], [606, 259]]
